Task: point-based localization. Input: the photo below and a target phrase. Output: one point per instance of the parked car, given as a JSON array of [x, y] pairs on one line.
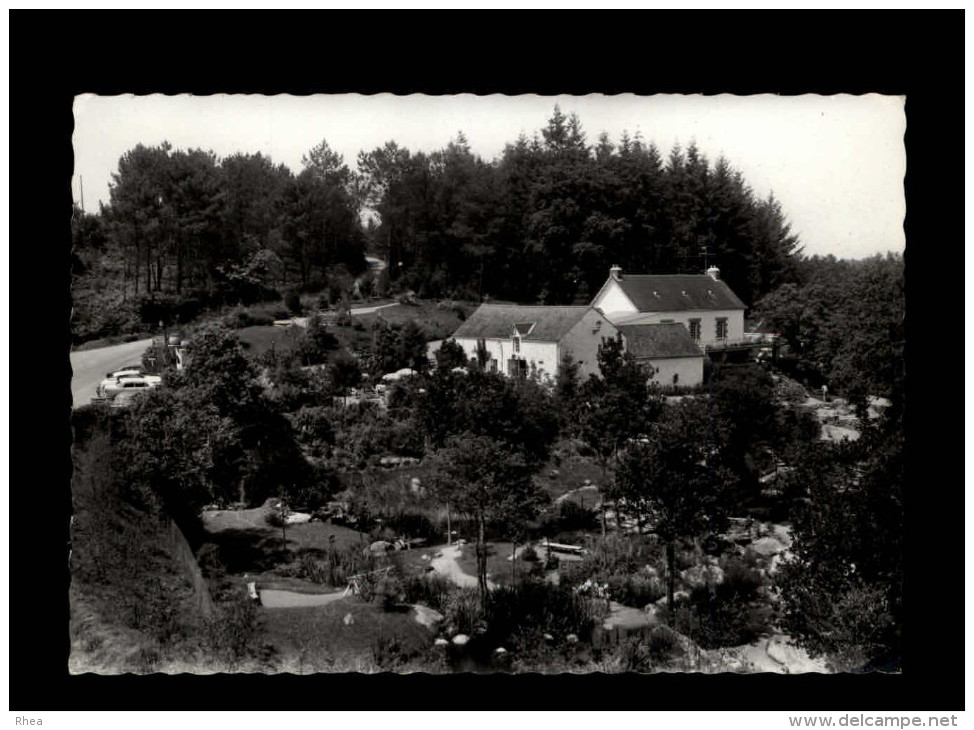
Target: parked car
[[127, 382]]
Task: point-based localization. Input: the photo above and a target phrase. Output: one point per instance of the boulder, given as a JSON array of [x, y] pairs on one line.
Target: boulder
[[427, 616], [380, 547], [460, 640], [348, 620], [441, 642], [701, 575], [650, 571], [767, 546]]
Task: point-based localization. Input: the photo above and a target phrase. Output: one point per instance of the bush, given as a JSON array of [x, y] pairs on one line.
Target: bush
[[292, 300], [389, 652], [463, 611], [529, 554], [430, 589], [531, 607], [240, 317], [725, 614], [636, 589]]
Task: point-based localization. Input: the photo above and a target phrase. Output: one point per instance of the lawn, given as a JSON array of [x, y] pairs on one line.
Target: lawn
[[247, 543], [259, 339], [438, 319], [498, 565], [568, 473], [343, 636]]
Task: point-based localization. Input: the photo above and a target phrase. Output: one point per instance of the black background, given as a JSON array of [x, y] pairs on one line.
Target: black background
[[55, 55]]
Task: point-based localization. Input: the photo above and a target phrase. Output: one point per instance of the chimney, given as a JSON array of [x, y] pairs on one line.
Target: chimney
[[714, 273], [616, 272]]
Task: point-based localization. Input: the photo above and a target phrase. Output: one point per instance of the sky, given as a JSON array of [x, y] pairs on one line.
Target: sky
[[836, 163]]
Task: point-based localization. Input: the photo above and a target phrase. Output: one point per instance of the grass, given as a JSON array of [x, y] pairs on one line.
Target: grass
[[498, 565], [260, 339], [247, 543], [436, 321], [319, 639], [562, 475]]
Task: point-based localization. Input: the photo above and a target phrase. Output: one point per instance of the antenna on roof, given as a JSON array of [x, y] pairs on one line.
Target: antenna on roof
[[705, 255]]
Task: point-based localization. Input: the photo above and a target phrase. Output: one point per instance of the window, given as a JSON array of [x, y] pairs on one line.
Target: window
[[695, 329], [722, 328], [493, 365], [517, 344]]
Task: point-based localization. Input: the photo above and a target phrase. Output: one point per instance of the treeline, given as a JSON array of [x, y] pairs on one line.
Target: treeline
[[541, 223], [844, 323], [546, 220], [184, 220]]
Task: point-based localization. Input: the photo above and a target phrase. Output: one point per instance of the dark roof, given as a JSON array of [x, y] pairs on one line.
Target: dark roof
[[545, 324], [676, 292], [659, 340]]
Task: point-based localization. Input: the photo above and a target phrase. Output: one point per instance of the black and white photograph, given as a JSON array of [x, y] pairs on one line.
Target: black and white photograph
[[567, 384]]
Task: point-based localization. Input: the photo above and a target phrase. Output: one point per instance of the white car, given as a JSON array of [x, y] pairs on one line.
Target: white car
[[127, 381]]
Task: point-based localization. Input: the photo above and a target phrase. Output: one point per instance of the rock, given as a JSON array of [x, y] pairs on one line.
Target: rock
[[767, 546], [500, 650], [427, 616], [650, 571], [380, 547], [572, 638], [549, 637], [460, 640], [441, 642], [424, 556], [348, 620], [701, 575]]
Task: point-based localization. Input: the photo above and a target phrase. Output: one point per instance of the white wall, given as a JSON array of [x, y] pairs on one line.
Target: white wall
[[613, 301], [544, 355], [708, 322], [583, 341], [689, 370]]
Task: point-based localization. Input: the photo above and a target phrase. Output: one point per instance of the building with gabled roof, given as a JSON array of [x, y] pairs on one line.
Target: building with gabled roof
[[521, 339], [674, 356], [712, 314]]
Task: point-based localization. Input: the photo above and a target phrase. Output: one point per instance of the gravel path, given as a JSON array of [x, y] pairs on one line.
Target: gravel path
[[446, 564], [273, 598]]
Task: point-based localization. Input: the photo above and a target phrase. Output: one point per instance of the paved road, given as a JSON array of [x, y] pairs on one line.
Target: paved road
[[89, 366]]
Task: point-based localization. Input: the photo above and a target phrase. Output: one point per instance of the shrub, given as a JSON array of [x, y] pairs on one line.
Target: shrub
[[389, 652], [240, 317], [292, 300], [636, 589], [463, 610], [529, 554], [430, 589]]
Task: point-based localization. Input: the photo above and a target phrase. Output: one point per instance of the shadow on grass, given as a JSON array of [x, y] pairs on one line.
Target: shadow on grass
[[246, 551]]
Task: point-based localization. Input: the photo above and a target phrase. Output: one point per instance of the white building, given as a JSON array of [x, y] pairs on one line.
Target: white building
[[523, 339], [712, 314], [668, 348]]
